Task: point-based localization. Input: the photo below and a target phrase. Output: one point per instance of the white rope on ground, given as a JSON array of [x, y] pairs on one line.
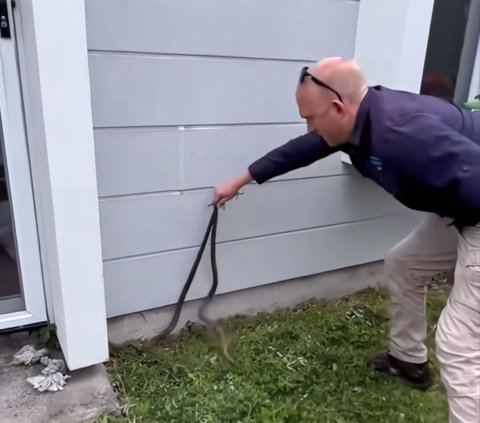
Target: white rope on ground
[[28, 355], [52, 383], [52, 378]]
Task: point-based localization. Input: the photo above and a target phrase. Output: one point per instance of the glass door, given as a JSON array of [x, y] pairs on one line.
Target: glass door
[[11, 298], [22, 298], [450, 70]]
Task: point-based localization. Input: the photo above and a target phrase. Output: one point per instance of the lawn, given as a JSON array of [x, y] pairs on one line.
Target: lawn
[[302, 365]]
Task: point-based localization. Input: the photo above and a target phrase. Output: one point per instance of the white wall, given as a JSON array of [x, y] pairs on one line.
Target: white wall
[[183, 97]]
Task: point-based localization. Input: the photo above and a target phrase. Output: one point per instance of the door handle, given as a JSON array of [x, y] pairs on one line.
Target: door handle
[[4, 20]]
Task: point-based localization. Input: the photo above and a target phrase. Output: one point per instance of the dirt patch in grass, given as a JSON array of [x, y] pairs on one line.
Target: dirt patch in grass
[[302, 365]]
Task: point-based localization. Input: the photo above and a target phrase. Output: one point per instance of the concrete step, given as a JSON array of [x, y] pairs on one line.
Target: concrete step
[[87, 395]]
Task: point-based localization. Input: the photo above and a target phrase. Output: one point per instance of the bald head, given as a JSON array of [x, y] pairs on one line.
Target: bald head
[[328, 114], [343, 75]]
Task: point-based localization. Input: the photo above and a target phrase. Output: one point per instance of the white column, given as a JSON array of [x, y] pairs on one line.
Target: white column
[[55, 75], [391, 43], [475, 82]]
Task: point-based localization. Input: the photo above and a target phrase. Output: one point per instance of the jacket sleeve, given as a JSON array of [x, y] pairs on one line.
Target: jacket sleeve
[[299, 152], [441, 165]]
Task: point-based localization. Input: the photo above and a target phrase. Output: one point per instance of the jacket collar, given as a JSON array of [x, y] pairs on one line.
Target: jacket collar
[[361, 118]]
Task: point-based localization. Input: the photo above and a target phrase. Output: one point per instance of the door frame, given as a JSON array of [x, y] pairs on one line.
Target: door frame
[[475, 80], [20, 192]]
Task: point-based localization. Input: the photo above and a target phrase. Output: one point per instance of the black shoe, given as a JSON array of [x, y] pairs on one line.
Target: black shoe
[[416, 375]]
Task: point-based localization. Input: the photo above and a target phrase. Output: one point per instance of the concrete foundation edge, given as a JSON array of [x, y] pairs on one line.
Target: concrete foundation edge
[[265, 298]]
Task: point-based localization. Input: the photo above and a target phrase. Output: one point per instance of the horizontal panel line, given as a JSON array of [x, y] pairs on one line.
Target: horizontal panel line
[[105, 198], [100, 52], [189, 127], [270, 235]]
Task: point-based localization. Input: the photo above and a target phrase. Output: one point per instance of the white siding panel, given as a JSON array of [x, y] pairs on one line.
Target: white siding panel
[[143, 90], [214, 154], [152, 281], [142, 160], [281, 29], [152, 223]]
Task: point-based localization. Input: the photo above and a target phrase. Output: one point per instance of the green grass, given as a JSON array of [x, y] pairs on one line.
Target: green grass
[[305, 365]]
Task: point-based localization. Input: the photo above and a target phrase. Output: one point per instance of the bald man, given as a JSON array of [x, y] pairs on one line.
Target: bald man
[[426, 153]]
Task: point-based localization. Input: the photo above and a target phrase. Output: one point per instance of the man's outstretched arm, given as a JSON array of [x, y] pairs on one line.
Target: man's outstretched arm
[[299, 152]]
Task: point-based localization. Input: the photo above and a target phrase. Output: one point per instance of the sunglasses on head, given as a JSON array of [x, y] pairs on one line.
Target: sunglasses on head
[[304, 73]]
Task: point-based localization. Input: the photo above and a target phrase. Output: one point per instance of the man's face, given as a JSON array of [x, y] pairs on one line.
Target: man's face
[[321, 113]]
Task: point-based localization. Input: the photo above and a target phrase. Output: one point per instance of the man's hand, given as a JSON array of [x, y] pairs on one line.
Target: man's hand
[[229, 189]]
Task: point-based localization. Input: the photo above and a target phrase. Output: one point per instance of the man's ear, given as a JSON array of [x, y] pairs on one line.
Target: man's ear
[[339, 108]]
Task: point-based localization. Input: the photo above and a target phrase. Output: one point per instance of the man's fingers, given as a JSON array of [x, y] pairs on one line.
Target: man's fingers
[[217, 200], [220, 198]]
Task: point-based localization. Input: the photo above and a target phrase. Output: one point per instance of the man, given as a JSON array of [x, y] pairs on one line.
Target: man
[[426, 153]]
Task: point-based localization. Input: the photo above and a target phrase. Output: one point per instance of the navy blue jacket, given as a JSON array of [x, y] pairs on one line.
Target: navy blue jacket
[[421, 149]]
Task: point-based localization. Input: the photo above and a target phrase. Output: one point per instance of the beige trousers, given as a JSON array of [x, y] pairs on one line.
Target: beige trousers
[[435, 246]]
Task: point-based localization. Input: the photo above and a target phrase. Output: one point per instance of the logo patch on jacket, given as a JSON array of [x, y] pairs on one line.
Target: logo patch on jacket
[[376, 162]]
